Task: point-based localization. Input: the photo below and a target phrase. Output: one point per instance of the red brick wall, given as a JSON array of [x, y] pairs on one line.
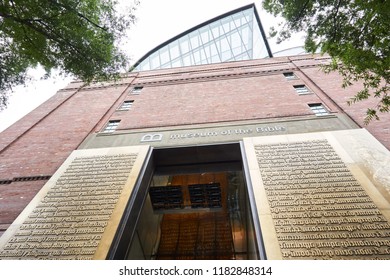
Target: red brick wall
[[256, 92], [24, 124], [43, 148], [331, 85]]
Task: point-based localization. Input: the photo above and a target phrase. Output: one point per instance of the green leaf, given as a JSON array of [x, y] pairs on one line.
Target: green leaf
[[78, 37], [356, 34]]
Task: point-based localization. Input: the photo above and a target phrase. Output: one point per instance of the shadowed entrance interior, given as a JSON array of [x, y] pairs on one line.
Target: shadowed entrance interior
[[201, 227], [195, 206]]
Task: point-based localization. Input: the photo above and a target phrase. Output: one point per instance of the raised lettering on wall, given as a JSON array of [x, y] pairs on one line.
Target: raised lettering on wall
[[320, 211], [70, 219]]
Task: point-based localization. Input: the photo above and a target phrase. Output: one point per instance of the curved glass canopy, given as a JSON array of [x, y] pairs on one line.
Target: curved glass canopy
[[234, 36]]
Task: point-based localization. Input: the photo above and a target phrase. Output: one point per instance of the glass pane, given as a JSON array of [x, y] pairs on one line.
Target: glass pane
[[216, 29], [187, 60], [184, 45], [155, 60], [164, 55], [194, 40], [174, 50], [196, 56]]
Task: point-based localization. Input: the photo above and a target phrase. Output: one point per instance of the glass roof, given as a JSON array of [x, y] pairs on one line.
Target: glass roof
[[234, 36]]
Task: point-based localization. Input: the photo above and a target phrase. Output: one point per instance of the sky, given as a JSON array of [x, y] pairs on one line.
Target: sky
[[157, 22]]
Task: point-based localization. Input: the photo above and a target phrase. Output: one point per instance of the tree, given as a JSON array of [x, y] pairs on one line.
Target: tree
[[356, 34], [79, 37]]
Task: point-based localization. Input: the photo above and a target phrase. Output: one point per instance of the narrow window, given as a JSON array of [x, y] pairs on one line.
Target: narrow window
[[301, 89], [126, 105], [111, 126], [137, 90], [318, 109], [289, 76]]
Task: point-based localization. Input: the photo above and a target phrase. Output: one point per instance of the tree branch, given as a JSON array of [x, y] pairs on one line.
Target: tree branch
[[335, 20], [67, 7], [301, 11]]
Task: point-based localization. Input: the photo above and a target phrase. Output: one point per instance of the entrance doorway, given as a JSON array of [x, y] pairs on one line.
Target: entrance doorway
[[196, 205]]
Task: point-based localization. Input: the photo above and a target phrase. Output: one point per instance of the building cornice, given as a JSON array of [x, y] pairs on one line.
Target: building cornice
[[228, 70]]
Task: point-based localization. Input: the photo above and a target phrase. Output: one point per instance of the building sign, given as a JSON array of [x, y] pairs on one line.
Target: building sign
[[228, 132], [152, 137], [211, 133]]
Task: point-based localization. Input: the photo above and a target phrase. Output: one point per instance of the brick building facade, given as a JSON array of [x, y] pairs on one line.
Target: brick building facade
[[193, 106], [176, 99]]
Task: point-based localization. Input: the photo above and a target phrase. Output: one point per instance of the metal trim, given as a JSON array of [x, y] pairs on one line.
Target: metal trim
[[126, 229], [252, 203]]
